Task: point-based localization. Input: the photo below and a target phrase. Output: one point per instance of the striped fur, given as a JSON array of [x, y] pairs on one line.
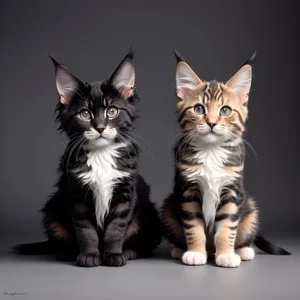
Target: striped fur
[[209, 211]]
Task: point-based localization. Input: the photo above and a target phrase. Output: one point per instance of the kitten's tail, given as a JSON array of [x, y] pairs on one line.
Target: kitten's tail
[[45, 247], [261, 243]]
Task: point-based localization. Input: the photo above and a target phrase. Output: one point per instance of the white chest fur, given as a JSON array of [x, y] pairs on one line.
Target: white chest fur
[[102, 177], [212, 178]]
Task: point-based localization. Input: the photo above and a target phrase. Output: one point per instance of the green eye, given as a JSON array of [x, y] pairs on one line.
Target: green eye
[[199, 109], [112, 112], [85, 115], [225, 111]]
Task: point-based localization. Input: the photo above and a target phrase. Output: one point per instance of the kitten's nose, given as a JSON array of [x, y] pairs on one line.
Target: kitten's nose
[[211, 125], [100, 129]]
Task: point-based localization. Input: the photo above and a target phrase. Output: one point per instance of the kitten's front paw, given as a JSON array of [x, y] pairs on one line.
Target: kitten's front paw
[[115, 259], [192, 258], [88, 260], [228, 260]]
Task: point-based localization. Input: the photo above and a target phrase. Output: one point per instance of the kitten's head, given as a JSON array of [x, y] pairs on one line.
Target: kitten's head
[[212, 111], [100, 112]]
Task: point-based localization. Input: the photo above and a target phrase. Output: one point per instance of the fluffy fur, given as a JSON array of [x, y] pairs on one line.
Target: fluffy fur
[[209, 212], [101, 212], [212, 177], [103, 176]]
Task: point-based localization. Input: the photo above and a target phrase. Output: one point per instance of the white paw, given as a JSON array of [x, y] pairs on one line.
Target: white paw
[[177, 253], [228, 260], [194, 258], [246, 253]]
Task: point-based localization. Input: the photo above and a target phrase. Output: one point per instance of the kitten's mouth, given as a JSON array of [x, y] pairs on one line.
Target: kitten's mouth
[[101, 136], [212, 132]]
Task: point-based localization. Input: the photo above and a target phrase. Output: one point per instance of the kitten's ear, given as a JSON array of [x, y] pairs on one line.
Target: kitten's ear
[[123, 78], [240, 82], [67, 84], [186, 78]]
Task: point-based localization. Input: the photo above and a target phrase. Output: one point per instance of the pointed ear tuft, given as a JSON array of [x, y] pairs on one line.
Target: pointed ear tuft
[[123, 78], [178, 56], [130, 54], [67, 84], [55, 62], [240, 82], [186, 79], [250, 61]]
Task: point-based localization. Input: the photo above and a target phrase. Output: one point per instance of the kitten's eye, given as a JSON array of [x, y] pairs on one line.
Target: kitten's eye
[[199, 109], [225, 111], [85, 115], [112, 112]]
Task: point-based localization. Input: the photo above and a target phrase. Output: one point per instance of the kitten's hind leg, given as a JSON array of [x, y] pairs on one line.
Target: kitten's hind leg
[[63, 242], [247, 231], [146, 223], [246, 253], [132, 231], [177, 253], [173, 230], [144, 232], [130, 254]]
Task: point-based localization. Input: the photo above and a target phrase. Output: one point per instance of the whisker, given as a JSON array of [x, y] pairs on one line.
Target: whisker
[[70, 155], [71, 137], [132, 138], [124, 140], [78, 149], [146, 143], [247, 145], [185, 142], [69, 147], [175, 137]]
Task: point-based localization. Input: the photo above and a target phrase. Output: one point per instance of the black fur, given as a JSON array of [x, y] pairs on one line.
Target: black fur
[[261, 243], [178, 56], [132, 224], [250, 61]]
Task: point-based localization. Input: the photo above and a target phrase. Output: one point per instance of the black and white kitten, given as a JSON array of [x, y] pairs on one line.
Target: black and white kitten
[[101, 211]]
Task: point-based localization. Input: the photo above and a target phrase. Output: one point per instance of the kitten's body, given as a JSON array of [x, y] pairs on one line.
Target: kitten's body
[[102, 209], [94, 190], [212, 177], [209, 211]]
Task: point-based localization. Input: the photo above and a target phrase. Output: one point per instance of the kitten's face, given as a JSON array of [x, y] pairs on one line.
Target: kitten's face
[[98, 112], [212, 112]]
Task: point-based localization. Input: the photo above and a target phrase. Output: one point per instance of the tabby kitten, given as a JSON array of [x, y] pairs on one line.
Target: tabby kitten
[[209, 211], [101, 211]]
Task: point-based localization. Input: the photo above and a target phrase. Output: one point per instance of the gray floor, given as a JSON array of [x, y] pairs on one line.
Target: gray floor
[[266, 277]]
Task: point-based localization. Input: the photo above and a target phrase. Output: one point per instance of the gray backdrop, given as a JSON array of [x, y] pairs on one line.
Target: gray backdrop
[[91, 38]]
